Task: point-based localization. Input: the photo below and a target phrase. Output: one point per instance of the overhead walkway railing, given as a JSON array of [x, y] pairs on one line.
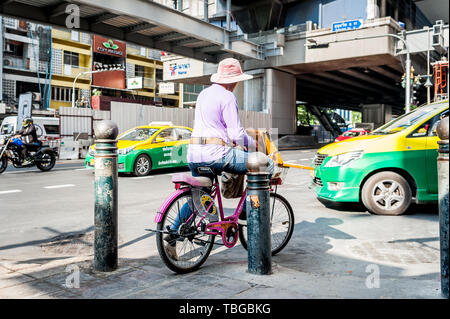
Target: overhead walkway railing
[[141, 22]]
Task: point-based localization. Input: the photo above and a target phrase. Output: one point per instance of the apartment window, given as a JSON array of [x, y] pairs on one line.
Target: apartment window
[[62, 94], [139, 71], [13, 48], [191, 91], [159, 75], [71, 58]]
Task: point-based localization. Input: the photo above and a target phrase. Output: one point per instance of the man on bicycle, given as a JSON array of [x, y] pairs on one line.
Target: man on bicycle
[[217, 129]]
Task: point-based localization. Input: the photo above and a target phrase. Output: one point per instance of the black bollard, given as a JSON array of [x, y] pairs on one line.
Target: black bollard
[[258, 215], [443, 180], [105, 188]]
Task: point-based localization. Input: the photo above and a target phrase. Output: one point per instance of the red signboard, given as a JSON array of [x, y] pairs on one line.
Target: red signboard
[[109, 79], [109, 47]]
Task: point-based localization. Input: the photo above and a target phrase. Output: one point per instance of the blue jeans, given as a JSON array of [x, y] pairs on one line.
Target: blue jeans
[[233, 162]]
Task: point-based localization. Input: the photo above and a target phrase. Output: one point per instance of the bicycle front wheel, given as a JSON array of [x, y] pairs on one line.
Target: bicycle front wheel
[[281, 224], [190, 249]]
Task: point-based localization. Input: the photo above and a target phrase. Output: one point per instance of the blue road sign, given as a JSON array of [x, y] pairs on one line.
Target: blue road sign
[[347, 25]]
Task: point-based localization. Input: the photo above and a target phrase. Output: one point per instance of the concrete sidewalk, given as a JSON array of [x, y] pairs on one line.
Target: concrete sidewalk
[[223, 276]]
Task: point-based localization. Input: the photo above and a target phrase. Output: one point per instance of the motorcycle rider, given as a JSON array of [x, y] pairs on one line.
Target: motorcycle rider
[[27, 134]]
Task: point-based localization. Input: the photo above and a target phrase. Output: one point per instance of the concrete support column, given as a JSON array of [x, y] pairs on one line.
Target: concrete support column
[[372, 9], [378, 114], [383, 8], [280, 97]]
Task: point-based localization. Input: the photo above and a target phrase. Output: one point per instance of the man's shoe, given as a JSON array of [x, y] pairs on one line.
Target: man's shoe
[[172, 251], [26, 162], [172, 237]]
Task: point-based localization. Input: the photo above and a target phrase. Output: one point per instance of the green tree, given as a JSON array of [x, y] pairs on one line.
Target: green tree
[[304, 118]]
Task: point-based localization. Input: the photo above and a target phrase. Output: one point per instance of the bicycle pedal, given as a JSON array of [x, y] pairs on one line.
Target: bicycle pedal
[[199, 242]]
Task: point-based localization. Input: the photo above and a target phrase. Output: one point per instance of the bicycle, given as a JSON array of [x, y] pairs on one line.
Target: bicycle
[[195, 237]]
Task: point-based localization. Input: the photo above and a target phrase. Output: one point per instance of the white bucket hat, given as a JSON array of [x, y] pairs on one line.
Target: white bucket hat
[[229, 71]]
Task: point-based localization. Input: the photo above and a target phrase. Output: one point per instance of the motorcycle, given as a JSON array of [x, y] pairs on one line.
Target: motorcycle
[[43, 156]]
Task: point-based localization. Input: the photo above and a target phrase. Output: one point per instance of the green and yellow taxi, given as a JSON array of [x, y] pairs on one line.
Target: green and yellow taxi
[[144, 148], [387, 169]]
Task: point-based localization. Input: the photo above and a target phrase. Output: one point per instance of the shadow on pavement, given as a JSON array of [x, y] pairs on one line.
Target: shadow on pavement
[[308, 267], [414, 209]]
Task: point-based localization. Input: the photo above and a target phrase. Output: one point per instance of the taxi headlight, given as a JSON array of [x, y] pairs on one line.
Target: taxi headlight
[[127, 150], [344, 159], [91, 151]]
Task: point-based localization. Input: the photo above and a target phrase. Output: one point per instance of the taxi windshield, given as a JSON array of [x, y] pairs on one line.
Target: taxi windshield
[[138, 134], [407, 120]]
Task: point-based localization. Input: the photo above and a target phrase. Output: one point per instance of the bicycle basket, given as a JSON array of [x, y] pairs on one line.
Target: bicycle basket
[[203, 201], [280, 172]]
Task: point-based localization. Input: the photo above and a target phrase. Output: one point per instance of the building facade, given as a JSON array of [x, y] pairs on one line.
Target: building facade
[[25, 62], [47, 61]]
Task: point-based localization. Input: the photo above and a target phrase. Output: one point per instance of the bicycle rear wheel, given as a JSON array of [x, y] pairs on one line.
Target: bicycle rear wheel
[[191, 249], [281, 224]]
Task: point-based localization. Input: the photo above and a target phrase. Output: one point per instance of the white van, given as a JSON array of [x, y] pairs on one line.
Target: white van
[[47, 128]]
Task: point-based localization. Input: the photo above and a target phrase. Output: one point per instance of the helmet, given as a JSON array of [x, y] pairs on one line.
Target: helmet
[[27, 121]]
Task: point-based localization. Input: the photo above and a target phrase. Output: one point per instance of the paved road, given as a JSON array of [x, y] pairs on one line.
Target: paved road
[[340, 241]]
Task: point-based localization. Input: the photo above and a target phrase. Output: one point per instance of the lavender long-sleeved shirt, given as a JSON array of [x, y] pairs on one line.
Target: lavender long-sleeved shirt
[[216, 115]]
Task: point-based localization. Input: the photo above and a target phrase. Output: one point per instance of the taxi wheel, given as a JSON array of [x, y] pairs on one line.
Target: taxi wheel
[[386, 193], [142, 165]]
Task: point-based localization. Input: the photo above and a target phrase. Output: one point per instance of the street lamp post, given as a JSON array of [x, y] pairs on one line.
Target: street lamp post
[[89, 72], [75, 80]]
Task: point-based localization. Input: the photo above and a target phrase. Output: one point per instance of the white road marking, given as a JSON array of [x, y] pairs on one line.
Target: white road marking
[[142, 177], [59, 186], [11, 191], [22, 172], [305, 159]]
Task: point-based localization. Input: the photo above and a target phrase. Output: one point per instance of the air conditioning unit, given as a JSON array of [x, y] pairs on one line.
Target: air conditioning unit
[[36, 97], [39, 28], [8, 62]]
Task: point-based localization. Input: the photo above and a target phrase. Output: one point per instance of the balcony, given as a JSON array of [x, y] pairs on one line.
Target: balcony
[[17, 63], [148, 83], [71, 36], [72, 71]]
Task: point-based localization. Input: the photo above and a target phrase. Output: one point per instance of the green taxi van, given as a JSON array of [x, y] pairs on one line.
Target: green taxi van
[[145, 148], [387, 169]]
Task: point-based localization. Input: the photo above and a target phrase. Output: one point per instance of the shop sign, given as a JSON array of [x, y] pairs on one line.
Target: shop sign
[[182, 68], [109, 47], [166, 88], [134, 83]]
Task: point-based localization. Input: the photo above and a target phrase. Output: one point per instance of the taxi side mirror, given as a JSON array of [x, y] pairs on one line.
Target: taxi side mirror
[[159, 140]]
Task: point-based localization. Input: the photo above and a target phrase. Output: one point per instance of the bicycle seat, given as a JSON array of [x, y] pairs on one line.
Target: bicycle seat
[[182, 178]]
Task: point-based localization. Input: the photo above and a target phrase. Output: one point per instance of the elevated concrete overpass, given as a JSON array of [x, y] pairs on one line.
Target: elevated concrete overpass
[[140, 22], [349, 69]]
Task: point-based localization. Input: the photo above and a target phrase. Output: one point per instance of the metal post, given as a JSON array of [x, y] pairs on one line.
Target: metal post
[[205, 10], [408, 84], [443, 180], [258, 215], [228, 15], [105, 188], [428, 65]]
